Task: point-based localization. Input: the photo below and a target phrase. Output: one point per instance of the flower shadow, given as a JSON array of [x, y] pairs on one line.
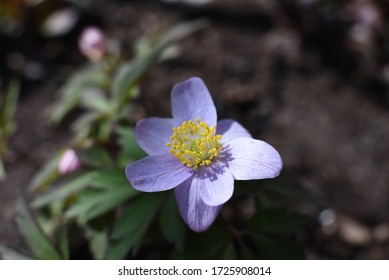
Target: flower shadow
[[217, 167]]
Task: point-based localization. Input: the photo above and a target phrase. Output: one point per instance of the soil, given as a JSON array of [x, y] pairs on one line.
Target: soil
[[292, 74]]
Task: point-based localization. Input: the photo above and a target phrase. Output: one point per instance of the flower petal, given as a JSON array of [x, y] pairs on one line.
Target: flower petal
[[191, 100], [157, 173], [152, 134], [252, 159], [230, 129], [216, 184], [196, 214]]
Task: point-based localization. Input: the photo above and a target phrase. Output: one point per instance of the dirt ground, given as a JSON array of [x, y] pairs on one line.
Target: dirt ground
[[293, 75]]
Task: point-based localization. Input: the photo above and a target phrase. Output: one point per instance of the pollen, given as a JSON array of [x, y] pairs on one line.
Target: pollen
[[195, 143]]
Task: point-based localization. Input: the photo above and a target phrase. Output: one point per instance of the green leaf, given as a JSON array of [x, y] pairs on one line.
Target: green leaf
[[11, 254], [247, 253], [65, 189], [171, 223], [85, 201], [126, 77], [110, 178], [286, 189], [2, 170], [98, 241], [277, 220], [128, 144], [130, 73], [113, 188], [204, 246], [9, 104], [277, 248], [111, 200], [180, 31], [228, 252], [104, 128], [268, 200], [131, 227], [95, 100], [95, 156], [99, 245], [71, 98], [84, 125], [63, 241], [90, 78], [119, 248], [46, 175], [7, 126], [93, 203], [35, 238]]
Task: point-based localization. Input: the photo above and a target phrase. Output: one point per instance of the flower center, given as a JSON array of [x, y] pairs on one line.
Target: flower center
[[195, 143]]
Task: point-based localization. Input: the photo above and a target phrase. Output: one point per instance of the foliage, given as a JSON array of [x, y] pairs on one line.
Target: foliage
[[96, 203], [7, 126]]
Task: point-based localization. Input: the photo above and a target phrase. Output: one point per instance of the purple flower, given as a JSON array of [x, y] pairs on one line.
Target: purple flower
[[197, 156], [69, 162]]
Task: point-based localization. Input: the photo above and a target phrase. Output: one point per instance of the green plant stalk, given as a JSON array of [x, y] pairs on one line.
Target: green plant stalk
[[7, 127]]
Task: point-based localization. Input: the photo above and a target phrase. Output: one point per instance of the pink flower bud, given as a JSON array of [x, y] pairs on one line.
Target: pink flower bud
[[93, 43], [69, 162]]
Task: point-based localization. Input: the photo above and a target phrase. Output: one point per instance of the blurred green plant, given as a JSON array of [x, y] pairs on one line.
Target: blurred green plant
[[95, 204], [7, 126]]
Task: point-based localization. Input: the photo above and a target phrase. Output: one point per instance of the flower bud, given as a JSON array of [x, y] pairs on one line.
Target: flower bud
[[93, 43], [69, 162]]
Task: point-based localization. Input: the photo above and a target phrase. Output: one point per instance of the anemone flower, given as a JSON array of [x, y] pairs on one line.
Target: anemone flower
[[68, 162], [93, 43], [198, 156]]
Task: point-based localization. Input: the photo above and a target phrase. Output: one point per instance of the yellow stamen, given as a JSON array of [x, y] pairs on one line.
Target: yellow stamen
[[195, 143]]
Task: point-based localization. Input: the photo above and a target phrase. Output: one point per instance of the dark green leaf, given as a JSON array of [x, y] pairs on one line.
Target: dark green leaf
[[93, 203], [64, 190], [96, 100], [125, 85], [180, 31], [110, 178], [2, 170], [131, 227], [227, 252], [171, 223], [277, 220], [128, 144], [111, 200], [90, 78], [7, 109], [84, 126], [8, 105], [246, 253], [266, 200], [95, 156], [131, 72], [120, 247], [63, 241], [104, 128], [85, 201], [277, 248], [286, 189], [70, 99], [35, 238], [126, 78], [204, 245], [46, 175], [98, 243]]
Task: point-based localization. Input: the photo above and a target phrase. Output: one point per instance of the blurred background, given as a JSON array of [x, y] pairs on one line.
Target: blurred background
[[309, 77]]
